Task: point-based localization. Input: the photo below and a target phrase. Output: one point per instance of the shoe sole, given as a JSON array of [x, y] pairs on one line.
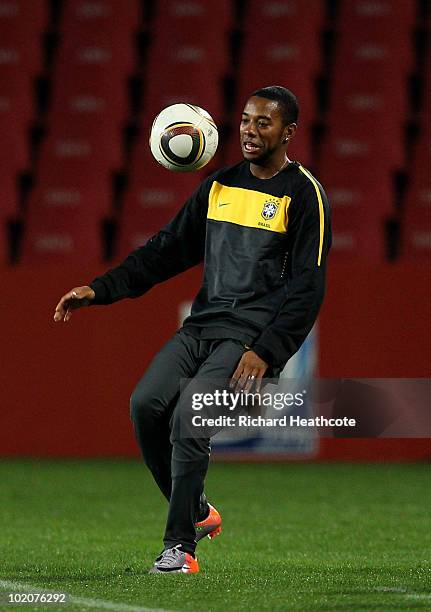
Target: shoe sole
[[185, 569]]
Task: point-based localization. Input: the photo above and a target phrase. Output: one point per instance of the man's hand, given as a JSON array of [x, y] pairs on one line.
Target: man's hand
[[75, 298], [250, 369]]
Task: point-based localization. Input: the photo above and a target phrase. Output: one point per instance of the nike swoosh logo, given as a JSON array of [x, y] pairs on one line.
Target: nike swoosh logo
[[223, 204]]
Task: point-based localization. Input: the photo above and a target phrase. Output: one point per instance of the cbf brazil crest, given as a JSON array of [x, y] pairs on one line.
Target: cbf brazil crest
[[269, 210]]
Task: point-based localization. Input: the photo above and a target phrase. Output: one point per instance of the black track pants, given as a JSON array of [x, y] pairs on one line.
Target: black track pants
[[178, 464]]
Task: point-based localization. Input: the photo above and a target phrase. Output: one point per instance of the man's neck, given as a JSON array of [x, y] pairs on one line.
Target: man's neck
[[270, 170]]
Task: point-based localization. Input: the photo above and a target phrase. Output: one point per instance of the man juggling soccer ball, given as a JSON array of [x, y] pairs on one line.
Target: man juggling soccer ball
[[262, 229]]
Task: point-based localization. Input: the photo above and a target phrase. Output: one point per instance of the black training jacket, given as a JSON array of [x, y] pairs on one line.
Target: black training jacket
[[264, 244]]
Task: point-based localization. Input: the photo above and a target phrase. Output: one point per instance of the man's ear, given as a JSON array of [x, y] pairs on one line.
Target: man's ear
[[289, 132]]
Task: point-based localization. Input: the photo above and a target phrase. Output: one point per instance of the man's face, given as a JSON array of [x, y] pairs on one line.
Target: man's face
[[262, 130]]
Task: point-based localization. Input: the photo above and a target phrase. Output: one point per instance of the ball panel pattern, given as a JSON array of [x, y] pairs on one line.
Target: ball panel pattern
[[198, 146]]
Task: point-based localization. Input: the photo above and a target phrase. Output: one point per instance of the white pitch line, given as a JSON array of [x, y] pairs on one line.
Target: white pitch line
[[418, 596], [405, 592], [383, 589], [19, 587]]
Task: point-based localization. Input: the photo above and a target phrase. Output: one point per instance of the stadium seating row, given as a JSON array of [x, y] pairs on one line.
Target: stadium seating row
[[20, 61], [361, 150]]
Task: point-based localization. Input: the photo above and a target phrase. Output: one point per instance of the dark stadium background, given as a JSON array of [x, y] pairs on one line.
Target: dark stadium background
[[80, 83]]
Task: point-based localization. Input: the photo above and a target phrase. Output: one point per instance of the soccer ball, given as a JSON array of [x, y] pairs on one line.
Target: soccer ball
[[183, 137]]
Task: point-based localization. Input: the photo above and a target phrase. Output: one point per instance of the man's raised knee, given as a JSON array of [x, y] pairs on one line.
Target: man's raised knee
[[145, 408]]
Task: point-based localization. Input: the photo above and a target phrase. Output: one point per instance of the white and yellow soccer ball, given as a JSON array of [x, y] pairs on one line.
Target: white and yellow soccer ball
[[183, 137]]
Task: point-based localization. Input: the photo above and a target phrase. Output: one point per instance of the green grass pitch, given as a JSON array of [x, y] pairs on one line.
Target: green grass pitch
[[295, 537]]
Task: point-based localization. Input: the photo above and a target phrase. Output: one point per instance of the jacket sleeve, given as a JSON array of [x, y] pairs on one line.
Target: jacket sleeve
[[309, 240], [177, 247]]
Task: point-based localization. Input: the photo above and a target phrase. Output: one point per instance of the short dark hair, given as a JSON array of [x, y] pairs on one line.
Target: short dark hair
[[287, 101]]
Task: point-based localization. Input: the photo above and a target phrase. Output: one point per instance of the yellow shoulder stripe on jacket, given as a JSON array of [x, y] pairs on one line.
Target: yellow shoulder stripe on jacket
[[321, 215], [248, 208]]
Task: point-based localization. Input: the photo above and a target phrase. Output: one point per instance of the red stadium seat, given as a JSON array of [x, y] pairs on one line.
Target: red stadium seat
[[79, 158], [357, 183], [285, 18], [16, 98], [103, 138], [351, 147], [98, 51], [373, 196], [359, 97], [416, 239], [156, 189], [416, 233], [369, 51], [416, 226], [89, 96], [24, 16], [49, 240], [195, 19], [355, 142], [25, 58], [21, 26], [356, 233], [355, 156], [388, 16], [135, 230], [180, 70], [55, 195], [93, 15], [63, 225]]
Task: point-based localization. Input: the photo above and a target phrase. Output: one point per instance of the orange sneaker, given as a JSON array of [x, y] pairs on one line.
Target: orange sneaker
[[175, 560], [211, 526]]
